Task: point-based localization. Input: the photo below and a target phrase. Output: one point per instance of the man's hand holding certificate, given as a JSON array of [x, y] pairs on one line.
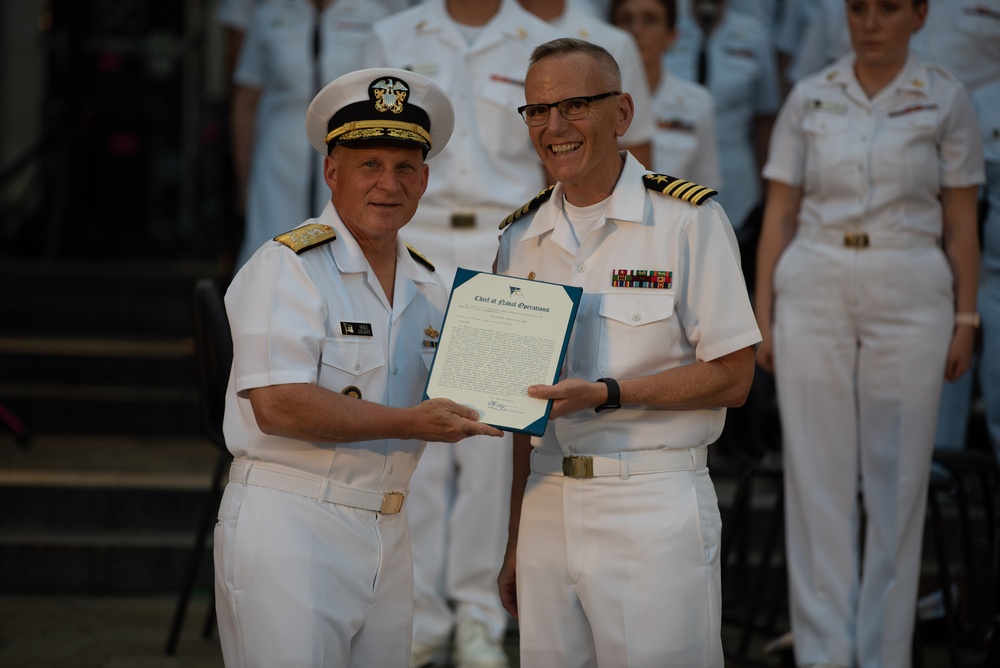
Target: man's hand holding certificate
[[501, 335]]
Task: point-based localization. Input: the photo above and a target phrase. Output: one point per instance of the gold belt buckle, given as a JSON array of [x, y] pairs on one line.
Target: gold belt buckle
[[856, 239], [463, 220], [578, 467], [392, 503]]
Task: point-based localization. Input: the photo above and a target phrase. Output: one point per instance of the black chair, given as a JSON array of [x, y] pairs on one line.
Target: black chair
[[213, 349]]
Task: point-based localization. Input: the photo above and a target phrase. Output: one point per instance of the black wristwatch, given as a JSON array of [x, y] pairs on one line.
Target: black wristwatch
[[614, 400]]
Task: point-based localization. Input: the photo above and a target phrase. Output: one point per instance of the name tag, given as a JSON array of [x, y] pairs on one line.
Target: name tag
[[356, 328], [838, 108]]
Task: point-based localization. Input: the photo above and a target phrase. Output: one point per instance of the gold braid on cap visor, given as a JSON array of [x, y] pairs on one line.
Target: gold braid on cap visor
[[365, 129]]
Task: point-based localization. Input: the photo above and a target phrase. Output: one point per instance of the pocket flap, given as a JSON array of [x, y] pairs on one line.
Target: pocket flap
[[353, 355], [637, 309]]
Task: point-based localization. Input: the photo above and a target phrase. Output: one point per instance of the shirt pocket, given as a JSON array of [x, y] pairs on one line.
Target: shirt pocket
[[829, 154], [501, 130], [347, 361], [909, 150], [977, 21], [675, 149], [636, 333], [427, 356]]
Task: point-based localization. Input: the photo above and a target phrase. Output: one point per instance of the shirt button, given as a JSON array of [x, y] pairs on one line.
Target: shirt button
[[392, 469], [357, 367], [576, 366], [572, 448], [579, 318], [581, 268], [636, 318], [395, 370]]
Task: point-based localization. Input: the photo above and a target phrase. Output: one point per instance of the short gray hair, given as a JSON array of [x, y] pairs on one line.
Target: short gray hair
[[569, 45]]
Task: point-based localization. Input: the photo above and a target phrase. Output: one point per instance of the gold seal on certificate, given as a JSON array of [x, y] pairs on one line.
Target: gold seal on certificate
[[501, 335]]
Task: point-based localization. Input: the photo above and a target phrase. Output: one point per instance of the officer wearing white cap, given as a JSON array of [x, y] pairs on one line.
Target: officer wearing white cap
[[334, 326]]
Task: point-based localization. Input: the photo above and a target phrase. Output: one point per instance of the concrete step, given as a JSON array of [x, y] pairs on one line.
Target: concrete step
[[73, 299], [106, 515]]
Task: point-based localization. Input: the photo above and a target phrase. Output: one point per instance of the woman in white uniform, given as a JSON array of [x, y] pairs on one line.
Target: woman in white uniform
[[866, 290], [684, 142], [292, 48]]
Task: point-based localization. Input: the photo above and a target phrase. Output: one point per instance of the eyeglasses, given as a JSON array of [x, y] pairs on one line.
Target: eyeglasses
[[572, 109]]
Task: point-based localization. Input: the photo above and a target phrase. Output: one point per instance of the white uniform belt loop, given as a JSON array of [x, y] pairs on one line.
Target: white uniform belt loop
[[861, 239], [623, 464], [285, 479]]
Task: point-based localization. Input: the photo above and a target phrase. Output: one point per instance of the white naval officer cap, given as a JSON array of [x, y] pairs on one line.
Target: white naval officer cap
[[383, 104]]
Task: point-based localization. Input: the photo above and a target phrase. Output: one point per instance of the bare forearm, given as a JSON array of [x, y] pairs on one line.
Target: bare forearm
[[723, 382], [961, 244], [522, 469], [309, 412]]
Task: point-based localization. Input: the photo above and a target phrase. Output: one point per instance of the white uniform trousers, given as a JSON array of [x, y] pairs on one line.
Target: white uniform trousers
[[458, 508], [860, 341], [302, 583], [620, 572]]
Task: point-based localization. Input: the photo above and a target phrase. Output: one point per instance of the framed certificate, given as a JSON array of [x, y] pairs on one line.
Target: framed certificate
[[500, 335]]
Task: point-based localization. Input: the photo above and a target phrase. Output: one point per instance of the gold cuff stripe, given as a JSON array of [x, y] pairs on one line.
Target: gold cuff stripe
[[351, 129]]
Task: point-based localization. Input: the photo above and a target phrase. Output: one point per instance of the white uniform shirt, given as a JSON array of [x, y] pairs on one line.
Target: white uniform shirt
[[626, 332], [876, 164], [277, 59], [290, 315], [489, 161], [961, 35], [578, 23], [743, 80], [685, 144]]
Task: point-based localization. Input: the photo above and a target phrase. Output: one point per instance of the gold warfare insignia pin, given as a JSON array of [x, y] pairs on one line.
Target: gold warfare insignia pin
[[389, 95], [352, 391], [431, 332]]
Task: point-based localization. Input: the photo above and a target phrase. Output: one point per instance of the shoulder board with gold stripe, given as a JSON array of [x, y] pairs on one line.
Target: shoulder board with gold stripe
[[539, 199], [308, 236], [679, 188], [416, 255]]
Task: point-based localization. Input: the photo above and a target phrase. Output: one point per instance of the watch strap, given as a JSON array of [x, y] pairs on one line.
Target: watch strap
[[613, 401]]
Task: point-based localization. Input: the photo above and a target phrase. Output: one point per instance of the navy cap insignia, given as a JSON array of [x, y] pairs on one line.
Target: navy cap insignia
[[389, 95], [679, 188], [352, 391], [308, 236], [539, 199]]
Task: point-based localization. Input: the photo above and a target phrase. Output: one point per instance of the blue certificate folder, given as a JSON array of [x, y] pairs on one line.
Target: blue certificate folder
[[501, 334]]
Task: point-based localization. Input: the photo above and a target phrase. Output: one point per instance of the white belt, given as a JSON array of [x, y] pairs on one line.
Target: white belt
[[463, 218], [622, 464], [860, 239], [286, 479]]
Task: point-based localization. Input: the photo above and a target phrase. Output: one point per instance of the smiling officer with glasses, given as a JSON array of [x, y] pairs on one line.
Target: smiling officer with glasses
[[572, 108], [613, 546]]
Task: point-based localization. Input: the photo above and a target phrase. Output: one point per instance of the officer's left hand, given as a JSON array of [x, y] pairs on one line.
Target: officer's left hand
[[570, 395], [959, 353]]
